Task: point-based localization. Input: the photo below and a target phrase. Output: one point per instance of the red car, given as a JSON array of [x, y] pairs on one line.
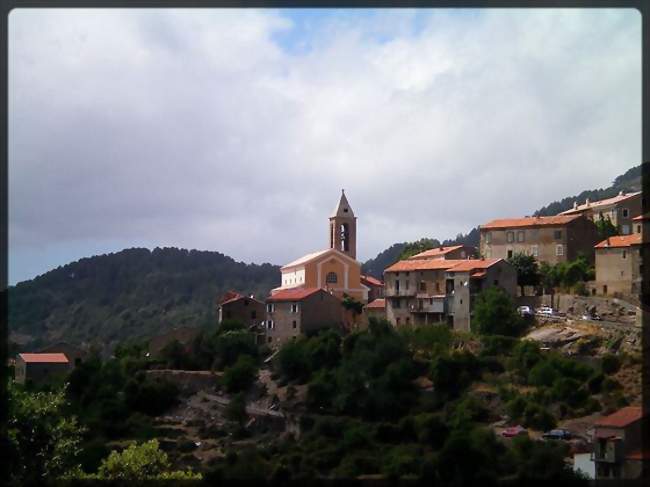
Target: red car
[[514, 431]]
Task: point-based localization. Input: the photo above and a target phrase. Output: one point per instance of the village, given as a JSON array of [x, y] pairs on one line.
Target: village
[[598, 316]]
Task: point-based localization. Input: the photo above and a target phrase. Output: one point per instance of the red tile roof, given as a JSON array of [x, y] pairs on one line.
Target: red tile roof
[[645, 216], [451, 265], [437, 252], [229, 297], [620, 241], [379, 303], [42, 358], [531, 221], [293, 294], [621, 418], [594, 204], [638, 455], [371, 280]]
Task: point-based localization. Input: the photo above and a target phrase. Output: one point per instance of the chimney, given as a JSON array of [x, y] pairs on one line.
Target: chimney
[[587, 202], [575, 205], [441, 248], [620, 193]]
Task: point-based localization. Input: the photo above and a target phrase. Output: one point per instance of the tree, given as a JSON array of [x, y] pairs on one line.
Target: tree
[[137, 463], [527, 271], [236, 409], [605, 228], [240, 376], [495, 314], [174, 355], [43, 440]]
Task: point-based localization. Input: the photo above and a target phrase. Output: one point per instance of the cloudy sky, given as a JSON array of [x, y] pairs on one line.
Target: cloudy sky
[[235, 130]]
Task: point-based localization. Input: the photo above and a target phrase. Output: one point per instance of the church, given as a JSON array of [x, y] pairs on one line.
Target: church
[[334, 269]]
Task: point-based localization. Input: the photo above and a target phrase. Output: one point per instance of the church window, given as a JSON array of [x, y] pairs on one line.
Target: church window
[[345, 241], [331, 278]]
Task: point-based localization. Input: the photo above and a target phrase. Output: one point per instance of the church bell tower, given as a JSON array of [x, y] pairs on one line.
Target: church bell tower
[[343, 228]]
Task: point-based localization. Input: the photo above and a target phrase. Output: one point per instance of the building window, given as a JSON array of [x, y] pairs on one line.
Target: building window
[[534, 251], [331, 278], [423, 286], [407, 284], [557, 234], [625, 229], [520, 236], [462, 254], [397, 320], [488, 237], [294, 324], [626, 213], [509, 253], [253, 315], [624, 254], [294, 307], [397, 285], [638, 229], [245, 302], [396, 303], [559, 250], [408, 320], [270, 308], [510, 237]]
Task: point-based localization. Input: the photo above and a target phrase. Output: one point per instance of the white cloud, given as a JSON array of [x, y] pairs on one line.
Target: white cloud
[[198, 129]]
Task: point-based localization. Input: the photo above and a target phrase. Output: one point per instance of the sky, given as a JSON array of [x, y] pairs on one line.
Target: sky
[[235, 130]]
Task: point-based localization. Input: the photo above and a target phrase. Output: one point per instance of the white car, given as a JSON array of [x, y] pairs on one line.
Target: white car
[[525, 311], [545, 310]]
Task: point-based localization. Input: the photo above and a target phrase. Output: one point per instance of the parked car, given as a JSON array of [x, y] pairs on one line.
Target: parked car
[[557, 434], [525, 311], [514, 431], [545, 310]]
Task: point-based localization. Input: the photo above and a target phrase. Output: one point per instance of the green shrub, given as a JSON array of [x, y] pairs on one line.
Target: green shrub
[[241, 376], [610, 364]]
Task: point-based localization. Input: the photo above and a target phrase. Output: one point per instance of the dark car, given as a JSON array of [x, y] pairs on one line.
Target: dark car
[[557, 434]]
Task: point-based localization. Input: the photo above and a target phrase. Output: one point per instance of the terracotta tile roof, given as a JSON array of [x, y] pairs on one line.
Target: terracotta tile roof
[[420, 265], [293, 294], [595, 204], [621, 418], [638, 455], [371, 280], [437, 252], [379, 303], [42, 358], [229, 297], [620, 241], [473, 264], [531, 221], [645, 216]]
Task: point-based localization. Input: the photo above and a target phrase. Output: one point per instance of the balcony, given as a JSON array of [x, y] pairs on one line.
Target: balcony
[[394, 293], [425, 305]]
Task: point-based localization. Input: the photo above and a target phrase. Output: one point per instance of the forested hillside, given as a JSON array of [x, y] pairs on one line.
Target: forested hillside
[[130, 294]]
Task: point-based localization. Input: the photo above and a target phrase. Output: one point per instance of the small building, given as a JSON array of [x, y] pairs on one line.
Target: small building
[[245, 309], [641, 223], [447, 252], [40, 367], [618, 445], [550, 239], [375, 287], [619, 266], [376, 308], [301, 311], [428, 291], [620, 210]]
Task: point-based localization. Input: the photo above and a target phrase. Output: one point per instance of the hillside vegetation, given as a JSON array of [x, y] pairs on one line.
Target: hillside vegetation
[[135, 293]]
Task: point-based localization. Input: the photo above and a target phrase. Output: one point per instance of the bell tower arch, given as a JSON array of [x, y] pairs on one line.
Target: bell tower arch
[[343, 228]]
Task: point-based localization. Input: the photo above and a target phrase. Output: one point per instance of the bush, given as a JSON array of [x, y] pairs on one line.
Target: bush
[[610, 364], [150, 396], [240, 376], [497, 345], [495, 314]]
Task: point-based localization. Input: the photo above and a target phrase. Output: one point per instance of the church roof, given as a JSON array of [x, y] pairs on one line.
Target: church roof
[[343, 208], [314, 255]]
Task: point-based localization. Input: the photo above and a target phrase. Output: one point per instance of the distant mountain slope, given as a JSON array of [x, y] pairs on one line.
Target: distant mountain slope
[[629, 181], [130, 294]]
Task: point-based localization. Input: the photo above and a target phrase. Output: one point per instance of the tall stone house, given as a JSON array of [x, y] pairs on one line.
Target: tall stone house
[[620, 209], [430, 291], [550, 239], [619, 266], [334, 269], [618, 451], [300, 311]]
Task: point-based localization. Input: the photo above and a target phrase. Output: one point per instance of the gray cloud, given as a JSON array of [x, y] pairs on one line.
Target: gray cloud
[[201, 130]]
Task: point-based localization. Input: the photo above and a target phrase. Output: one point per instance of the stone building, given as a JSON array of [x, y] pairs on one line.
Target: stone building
[[375, 287], [447, 252], [550, 239], [620, 210], [334, 269], [40, 367], [300, 311], [641, 224], [376, 308], [245, 309], [619, 266], [422, 292], [618, 445]]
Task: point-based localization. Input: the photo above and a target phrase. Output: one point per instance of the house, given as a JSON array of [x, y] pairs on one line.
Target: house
[[447, 252], [375, 287], [550, 239], [300, 311], [40, 367], [245, 309], [621, 210], [618, 445], [641, 223], [376, 308], [619, 266], [427, 291], [334, 269], [74, 354]]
